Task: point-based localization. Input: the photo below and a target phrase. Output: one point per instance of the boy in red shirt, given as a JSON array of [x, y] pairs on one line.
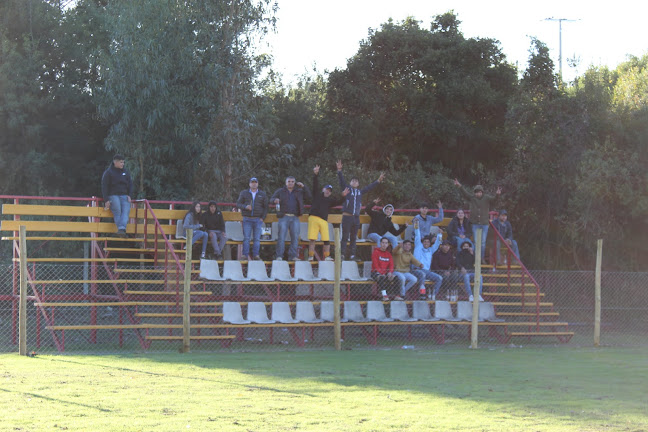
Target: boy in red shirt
[[382, 268]]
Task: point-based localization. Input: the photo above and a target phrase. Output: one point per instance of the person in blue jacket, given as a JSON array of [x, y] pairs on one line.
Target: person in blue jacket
[[426, 220], [351, 209], [423, 251]]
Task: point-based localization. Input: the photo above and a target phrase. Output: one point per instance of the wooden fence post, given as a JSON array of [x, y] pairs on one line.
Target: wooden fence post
[[597, 293], [186, 297], [474, 329], [337, 329], [22, 308]]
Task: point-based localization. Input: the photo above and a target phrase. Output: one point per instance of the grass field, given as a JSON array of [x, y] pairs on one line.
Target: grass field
[[503, 389]]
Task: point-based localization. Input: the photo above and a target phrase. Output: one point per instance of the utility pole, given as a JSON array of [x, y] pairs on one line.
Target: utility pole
[[560, 21]]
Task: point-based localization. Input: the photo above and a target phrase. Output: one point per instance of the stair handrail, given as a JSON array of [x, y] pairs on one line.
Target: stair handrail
[[525, 271], [158, 229]]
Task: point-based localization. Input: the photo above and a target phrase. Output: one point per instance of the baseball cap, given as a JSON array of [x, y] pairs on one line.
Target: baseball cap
[[329, 187], [254, 179]]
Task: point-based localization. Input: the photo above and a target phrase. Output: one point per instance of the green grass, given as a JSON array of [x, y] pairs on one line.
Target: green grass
[[503, 389]]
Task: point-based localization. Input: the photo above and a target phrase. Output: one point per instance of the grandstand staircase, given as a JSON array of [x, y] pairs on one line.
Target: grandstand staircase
[[134, 285]]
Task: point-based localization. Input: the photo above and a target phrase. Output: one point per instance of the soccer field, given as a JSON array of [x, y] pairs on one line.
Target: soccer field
[[503, 389]]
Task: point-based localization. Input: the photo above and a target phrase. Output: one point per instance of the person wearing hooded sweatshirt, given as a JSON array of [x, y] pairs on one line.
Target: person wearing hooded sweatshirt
[[192, 221], [382, 226], [382, 268], [351, 209], [479, 209], [214, 224], [423, 252], [117, 188], [466, 263]]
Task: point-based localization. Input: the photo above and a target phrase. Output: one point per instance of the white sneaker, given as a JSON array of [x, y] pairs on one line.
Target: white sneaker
[[328, 258], [471, 298], [481, 298], [433, 297], [311, 258]]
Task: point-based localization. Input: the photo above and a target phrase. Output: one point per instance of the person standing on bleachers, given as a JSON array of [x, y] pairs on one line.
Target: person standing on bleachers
[[253, 204], [382, 268], [290, 206], [192, 221], [351, 210], [117, 188], [503, 226], [466, 264], [382, 226], [318, 218], [444, 263], [425, 221], [479, 209], [214, 224]]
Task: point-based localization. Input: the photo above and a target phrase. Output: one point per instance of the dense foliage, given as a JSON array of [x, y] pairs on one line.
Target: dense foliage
[[181, 89]]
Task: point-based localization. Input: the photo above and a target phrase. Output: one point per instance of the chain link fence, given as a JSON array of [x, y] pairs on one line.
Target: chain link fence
[[101, 308]]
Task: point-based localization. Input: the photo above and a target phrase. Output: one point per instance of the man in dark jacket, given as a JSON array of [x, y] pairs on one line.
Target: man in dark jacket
[[382, 226], [466, 263], [503, 226], [317, 220], [479, 209], [290, 206], [253, 204], [443, 263], [117, 188], [213, 223], [351, 209]]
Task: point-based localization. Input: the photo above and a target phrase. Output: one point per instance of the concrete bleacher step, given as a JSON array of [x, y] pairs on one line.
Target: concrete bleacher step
[[192, 337], [178, 315]]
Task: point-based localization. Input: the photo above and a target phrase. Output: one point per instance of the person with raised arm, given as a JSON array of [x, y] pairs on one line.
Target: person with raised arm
[[351, 209], [290, 206], [426, 221], [318, 218], [423, 251], [479, 209], [253, 204]]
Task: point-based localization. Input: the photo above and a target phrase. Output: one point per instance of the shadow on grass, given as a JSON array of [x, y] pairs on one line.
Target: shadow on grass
[[51, 399]]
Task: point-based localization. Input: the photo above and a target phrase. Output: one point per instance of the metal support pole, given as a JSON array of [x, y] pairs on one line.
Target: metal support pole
[[476, 290], [186, 327], [22, 309], [597, 293], [337, 329]]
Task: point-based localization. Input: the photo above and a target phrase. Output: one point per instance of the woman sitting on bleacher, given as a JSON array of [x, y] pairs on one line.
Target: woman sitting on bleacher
[[192, 221]]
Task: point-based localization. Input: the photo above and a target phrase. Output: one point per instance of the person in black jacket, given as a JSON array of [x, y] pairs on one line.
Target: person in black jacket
[[466, 263], [382, 226], [317, 220], [214, 224], [459, 229], [117, 188], [290, 206], [253, 204]]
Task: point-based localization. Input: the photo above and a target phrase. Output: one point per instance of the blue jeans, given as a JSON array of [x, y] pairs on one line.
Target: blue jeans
[[514, 246], [431, 276], [407, 280], [218, 240], [484, 234], [462, 240], [350, 227], [288, 223], [374, 237], [467, 277], [200, 235], [120, 208], [252, 228]]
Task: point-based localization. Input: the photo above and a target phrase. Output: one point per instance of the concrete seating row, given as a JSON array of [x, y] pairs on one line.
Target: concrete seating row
[[375, 311], [280, 271], [234, 231]]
